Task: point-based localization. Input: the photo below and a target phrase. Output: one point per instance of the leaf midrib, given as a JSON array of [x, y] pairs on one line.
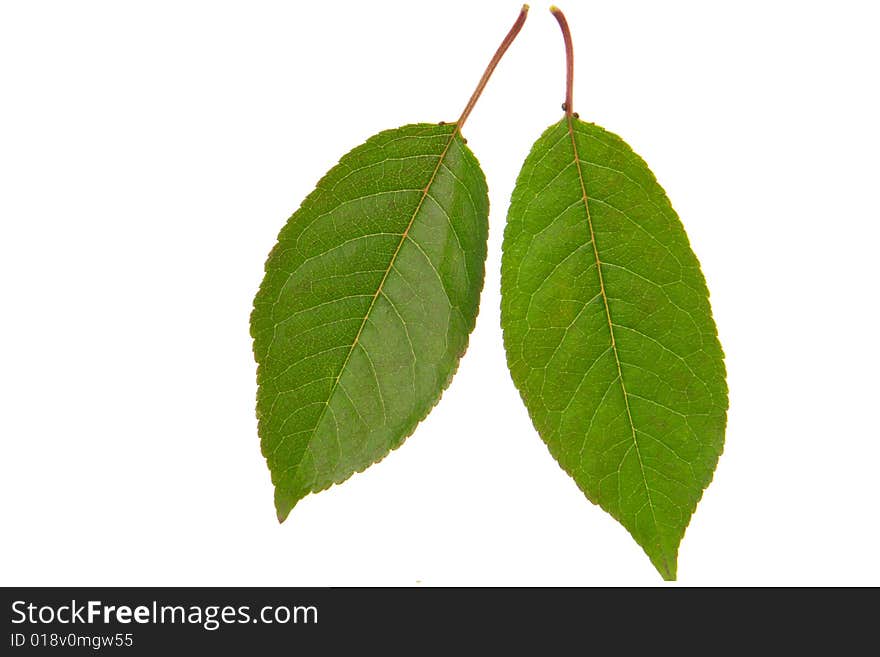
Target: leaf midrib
[[577, 161], [381, 285]]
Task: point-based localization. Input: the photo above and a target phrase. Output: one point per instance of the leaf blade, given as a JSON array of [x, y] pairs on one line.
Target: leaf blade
[[366, 306], [602, 304]]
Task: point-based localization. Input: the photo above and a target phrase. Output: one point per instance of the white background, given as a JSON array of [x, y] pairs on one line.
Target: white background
[[150, 152]]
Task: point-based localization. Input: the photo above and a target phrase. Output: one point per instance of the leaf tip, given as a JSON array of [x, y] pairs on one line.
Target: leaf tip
[[284, 504], [555, 10], [668, 575], [666, 565]]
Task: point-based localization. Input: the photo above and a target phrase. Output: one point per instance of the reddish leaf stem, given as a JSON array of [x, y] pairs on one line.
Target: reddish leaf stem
[[569, 59], [511, 35]]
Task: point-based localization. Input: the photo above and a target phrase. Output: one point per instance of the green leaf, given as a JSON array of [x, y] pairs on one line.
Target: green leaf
[[366, 306], [609, 334]]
